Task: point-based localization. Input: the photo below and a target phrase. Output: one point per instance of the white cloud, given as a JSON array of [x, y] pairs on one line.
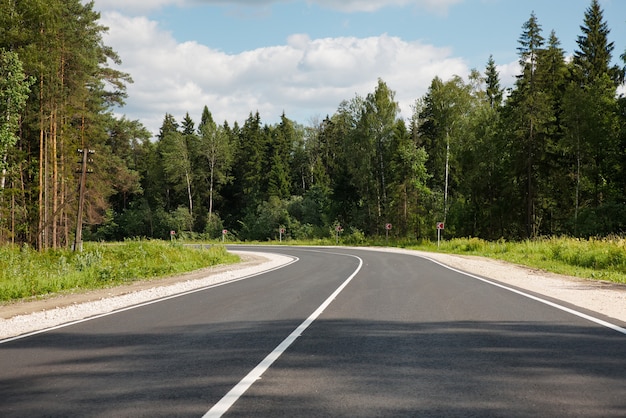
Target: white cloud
[[347, 6], [508, 73], [134, 6], [436, 6], [305, 78]]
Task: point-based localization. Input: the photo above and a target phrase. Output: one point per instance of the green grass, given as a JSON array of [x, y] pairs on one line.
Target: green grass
[[25, 272], [601, 259]]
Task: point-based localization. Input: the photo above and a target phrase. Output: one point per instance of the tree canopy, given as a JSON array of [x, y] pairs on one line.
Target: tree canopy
[[543, 157]]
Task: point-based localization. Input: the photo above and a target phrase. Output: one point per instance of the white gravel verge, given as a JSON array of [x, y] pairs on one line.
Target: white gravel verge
[[52, 316], [607, 299]]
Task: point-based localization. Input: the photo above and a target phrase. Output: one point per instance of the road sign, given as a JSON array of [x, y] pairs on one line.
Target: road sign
[[387, 227], [224, 231], [440, 227]]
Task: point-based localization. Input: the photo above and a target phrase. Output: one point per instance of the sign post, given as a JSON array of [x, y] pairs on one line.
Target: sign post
[[281, 231], [440, 227], [224, 232], [338, 229], [172, 234], [387, 229]]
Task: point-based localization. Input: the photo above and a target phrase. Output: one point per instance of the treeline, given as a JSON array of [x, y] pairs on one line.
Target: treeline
[[57, 88], [546, 157]]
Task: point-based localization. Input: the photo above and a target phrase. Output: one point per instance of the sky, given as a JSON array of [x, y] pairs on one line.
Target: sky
[[304, 57]]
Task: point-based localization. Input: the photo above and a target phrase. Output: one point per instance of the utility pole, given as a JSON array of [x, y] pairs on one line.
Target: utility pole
[[78, 238]]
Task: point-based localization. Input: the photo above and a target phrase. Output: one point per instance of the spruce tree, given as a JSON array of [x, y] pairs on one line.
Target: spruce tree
[[591, 120], [530, 113], [279, 155], [593, 58], [492, 79]]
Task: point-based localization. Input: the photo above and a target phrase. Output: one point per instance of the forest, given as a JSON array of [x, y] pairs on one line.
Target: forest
[[546, 157]]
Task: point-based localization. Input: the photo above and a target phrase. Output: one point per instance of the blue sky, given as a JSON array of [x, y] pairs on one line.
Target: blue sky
[[304, 57]]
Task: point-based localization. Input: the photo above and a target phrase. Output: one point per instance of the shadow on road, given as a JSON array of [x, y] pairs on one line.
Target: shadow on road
[[336, 368]]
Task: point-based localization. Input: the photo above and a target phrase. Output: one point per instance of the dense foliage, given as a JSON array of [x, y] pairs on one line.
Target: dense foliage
[[546, 157]]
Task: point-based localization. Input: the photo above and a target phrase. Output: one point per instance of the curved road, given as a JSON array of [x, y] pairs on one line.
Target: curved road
[[340, 332]]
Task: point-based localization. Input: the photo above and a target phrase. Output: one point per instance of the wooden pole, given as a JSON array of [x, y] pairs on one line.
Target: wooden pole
[[78, 238]]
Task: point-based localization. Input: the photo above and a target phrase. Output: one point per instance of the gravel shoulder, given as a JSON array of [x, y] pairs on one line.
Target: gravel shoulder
[[24, 317]]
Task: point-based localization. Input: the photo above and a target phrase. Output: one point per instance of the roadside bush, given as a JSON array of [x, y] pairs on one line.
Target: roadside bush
[[355, 237]]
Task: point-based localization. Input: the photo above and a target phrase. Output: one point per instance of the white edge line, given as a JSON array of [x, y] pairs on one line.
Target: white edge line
[[236, 392], [150, 302], [538, 299]]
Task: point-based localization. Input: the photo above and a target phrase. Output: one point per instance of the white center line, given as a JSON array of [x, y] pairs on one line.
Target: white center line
[[235, 393]]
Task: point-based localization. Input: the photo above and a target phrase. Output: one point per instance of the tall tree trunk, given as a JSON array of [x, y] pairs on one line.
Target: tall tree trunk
[[63, 193], [55, 178], [41, 233], [383, 193], [24, 204], [12, 218], [189, 192], [445, 193], [577, 203], [211, 174], [530, 229], [6, 152], [46, 183]]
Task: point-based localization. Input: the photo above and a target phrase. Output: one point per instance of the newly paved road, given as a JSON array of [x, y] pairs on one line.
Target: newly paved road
[[404, 337]]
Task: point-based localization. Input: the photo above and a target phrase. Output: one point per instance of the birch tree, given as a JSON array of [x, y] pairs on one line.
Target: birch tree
[[216, 149], [14, 90]]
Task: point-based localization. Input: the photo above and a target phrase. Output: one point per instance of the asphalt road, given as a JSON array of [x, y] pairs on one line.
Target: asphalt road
[[341, 332]]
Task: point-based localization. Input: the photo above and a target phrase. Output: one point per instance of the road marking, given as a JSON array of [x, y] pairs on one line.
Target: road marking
[[236, 392], [538, 299]]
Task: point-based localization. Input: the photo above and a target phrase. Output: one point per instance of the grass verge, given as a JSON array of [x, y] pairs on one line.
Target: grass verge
[[600, 258], [25, 272]]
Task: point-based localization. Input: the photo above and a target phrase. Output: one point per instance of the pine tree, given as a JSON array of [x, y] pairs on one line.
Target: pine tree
[[60, 44]]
